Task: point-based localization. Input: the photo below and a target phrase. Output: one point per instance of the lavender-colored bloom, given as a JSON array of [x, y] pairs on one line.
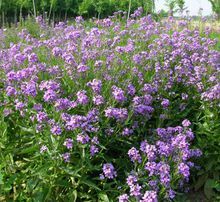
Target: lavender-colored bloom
[[68, 143], [131, 89], [131, 180], [164, 149], [56, 130], [93, 150], [62, 104], [50, 96], [95, 140], [127, 131], [11, 91], [95, 85], [38, 107], [123, 198], [135, 190], [149, 196], [151, 167], [143, 109], [165, 103], [82, 98], [19, 105], [164, 170], [82, 68], [29, 88], [149, 150], [43, 149], [118, 94], [171, 194], [32, 58], [109, 171], [117, 113], [42, 117], [186, 123], [183, 169], [66, 157], [134, 155], [56, 51], [83, 138], [98, 100]]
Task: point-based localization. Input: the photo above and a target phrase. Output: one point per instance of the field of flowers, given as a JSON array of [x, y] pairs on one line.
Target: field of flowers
[[109, 111]]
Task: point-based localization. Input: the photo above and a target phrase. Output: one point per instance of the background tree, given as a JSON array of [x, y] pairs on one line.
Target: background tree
[[171, 4], [216, 7], [180, 6]]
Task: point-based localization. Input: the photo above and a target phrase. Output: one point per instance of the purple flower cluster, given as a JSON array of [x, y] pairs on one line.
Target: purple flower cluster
[[108, 171], [171, 151], [92, 89]]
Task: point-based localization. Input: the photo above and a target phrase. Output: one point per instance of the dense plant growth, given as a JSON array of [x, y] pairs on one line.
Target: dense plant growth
[[108, 110]]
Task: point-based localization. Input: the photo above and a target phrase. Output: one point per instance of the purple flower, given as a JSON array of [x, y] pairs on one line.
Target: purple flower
[[117, 113], [183, 169], [134, 155], [109, 171], [165, 103], [164, 170], [82, 68], [95, 85], [50, 96], [149, 150], [38, 107], [135, 190], [42, 117], [149, 196], [62, 104], [131, 89], [11, 91], [127, 131], [66, 157], [68, 143], [93, 150], [82, 97], [32, 58], [123, 198], [19, 105], [43, 149], [131, 180], [151, 167], [186, 123], [56, 130], [83, 138], [118, 94], [98, 100]]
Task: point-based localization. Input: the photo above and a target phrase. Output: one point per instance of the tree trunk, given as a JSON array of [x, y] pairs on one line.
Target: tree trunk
[[3, 19], [35, 14], [65, 17], [53, 18], [15, 17], [20, 18], [50, 12], [129, 9]]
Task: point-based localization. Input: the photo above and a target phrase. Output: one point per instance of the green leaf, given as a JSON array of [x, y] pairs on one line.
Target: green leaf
[[1, 178], [74, 195], [208, 188], [103, 197], [201, 182], [90, 184]]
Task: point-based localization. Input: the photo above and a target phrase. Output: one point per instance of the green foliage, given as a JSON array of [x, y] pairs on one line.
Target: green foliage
[[216, 7], [61, 9]]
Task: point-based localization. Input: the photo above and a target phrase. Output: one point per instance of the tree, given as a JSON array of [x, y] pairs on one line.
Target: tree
[[216, 7], [171, 4], [181, 6]]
